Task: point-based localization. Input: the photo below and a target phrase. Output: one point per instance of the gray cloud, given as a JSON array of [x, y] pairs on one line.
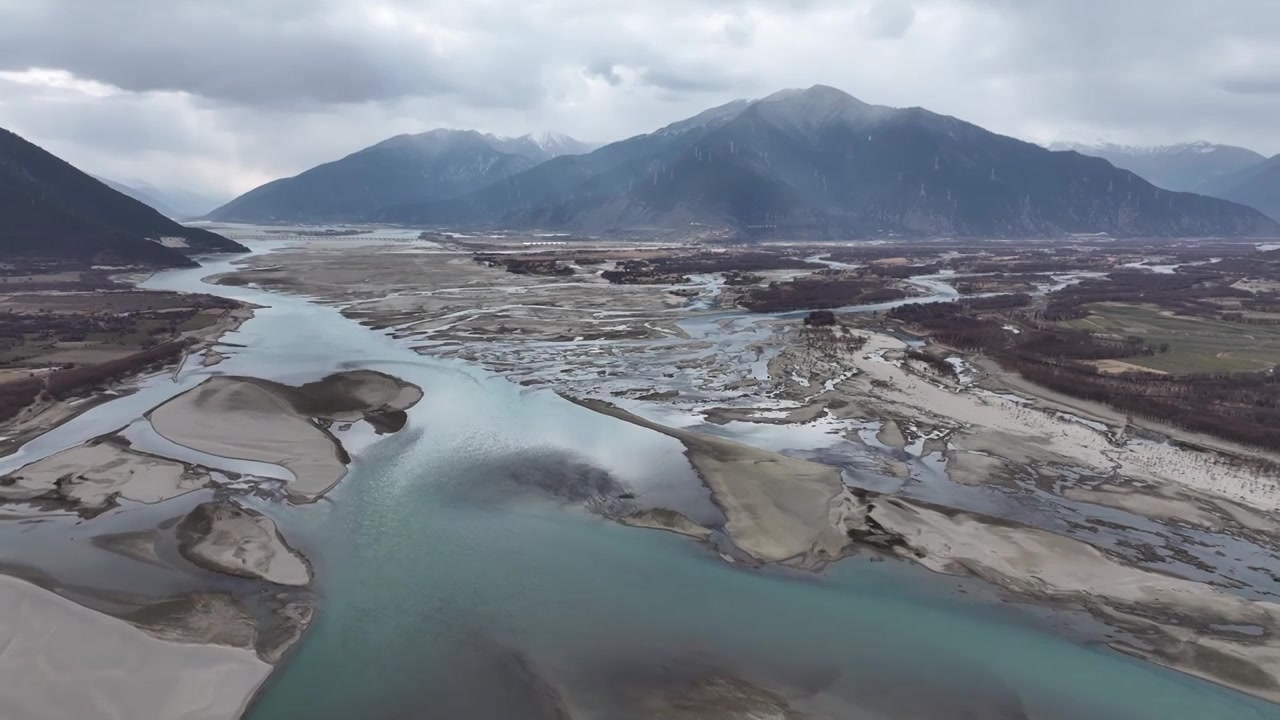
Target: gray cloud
[[1259, 85], [234, 50], [739, 31], [890, 18], [692, 80], [604, 70], [232, 93]]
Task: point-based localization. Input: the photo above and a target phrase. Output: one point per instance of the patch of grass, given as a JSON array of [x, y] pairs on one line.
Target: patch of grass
[[24, 350], [199, 321], [1195, 344]]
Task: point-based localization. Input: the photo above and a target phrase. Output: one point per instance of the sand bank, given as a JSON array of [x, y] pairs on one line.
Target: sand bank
[[669, 520], [224, 537], [236, 418], [91, 476], [60, 660], [1179, 618], [251, 419], [777, 507]]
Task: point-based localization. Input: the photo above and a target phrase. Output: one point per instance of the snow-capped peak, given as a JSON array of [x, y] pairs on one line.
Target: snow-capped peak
[[551, 141], [1101, 146], [540, 146]]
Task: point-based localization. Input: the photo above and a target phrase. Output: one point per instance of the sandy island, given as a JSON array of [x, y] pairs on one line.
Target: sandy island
[[90, 477], [224, 537], [252, 419], [60, 660], [777, 507]]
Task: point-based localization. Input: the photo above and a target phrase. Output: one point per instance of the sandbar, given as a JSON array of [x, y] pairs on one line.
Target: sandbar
[[251, 419], [777, 507], [60, 660], [224, 537], [234, 418], [92, 475]]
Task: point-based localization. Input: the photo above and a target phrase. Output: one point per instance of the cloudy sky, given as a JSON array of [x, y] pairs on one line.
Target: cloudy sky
[[222, 95]]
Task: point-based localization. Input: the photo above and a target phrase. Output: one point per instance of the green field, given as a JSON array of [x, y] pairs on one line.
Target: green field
[[1195, 344]]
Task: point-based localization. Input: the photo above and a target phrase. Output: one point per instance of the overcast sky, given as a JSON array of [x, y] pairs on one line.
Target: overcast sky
[[223, 95]]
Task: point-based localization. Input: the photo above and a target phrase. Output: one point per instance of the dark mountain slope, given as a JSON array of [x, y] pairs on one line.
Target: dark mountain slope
[[52, 210], [613, 168], [820, 163]]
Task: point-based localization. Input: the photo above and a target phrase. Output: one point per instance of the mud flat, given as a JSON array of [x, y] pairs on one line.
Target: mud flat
[[107, 668], [90, 477], [224, 537], [252, 419]]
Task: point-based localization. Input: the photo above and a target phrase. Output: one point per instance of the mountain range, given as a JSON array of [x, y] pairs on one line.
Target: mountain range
[[173, 202], [821, 163], [1186, 167], [814, 163], [52, 210], [404, 169]]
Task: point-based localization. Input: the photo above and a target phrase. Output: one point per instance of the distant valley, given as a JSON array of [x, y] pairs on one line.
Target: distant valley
[[173, 202]]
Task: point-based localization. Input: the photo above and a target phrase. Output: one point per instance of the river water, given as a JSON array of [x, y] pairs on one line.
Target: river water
[[452, 586]]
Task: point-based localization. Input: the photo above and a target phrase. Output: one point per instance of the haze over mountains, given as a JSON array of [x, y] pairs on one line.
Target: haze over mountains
[[176, 203], [1256, 186], [49, 209], [1185, 167], [406, 168], [1222, 171]]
